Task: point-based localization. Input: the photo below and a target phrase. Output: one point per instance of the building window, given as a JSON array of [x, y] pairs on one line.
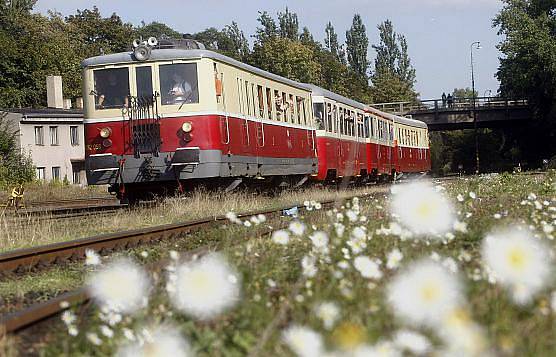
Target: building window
[[53, 135], [74, 136], [76, 177], [40, 173], [39, 135], [56, 173]]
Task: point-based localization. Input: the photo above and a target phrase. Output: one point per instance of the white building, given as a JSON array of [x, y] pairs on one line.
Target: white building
[[53, 137]]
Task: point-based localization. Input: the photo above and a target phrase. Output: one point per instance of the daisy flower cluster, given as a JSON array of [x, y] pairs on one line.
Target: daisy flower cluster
[[427, 269]]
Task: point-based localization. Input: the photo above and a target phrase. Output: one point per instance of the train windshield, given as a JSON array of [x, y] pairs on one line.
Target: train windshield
[[178, 83], [111, 88]]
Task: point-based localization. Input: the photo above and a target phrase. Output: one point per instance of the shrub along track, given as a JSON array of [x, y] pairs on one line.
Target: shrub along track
[[31, 259]]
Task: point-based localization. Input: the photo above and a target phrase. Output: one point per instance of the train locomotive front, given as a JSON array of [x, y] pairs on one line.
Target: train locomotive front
[[159, 118]]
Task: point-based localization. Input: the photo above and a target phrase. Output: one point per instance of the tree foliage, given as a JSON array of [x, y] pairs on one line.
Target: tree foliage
[[289, 25], [332, 45], [14, 166], [357, 44], [528, 70], [35, 46], [393, 75], [155, 29]]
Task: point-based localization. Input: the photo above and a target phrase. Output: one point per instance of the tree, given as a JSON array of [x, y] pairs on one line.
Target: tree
[[234, 43], [393, 76], [14, 166], [289, 25], [307, 38], [155, 29], [357, 44], [332, 45], [464, 93], [287, 58], [97, 33], [528, 70], [267, 28]]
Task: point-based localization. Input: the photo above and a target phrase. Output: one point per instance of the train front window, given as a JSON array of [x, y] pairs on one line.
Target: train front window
[[144, 83], [178, 83], [111, 88]]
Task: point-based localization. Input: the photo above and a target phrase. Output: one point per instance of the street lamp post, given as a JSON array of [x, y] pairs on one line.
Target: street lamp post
[[476, 45]]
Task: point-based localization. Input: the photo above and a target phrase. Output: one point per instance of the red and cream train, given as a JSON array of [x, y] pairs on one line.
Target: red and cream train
[[174, 117]]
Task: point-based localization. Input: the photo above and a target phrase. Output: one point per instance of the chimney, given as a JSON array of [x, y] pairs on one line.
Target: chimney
[[54, 94], [67, 103], [79, 102]]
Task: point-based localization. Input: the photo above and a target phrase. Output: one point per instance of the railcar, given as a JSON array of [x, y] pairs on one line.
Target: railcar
[[173, 116]]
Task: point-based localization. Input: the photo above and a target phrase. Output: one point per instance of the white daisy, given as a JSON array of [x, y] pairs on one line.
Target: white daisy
[[518, 262], [412, 342], [422, 209], [121, 286], [206, 287], [424, 292], [297, 228], [91, 257], [367, 267], [281, 237], [320, 240], [394, 258], [328, 312], [158, 341], [303, 341], [308, 266]]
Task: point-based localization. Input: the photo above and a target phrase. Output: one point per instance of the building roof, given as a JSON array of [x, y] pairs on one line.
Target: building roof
[[47, 112]]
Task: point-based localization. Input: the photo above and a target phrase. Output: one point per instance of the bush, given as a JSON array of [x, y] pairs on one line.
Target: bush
[[15, 166]]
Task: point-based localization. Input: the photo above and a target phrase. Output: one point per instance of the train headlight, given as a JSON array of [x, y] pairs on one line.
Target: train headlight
[[186, 127], [105, 133]]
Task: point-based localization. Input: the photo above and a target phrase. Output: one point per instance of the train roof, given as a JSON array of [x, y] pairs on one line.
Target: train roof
[[398, 119], [339, 98], [173, 54]]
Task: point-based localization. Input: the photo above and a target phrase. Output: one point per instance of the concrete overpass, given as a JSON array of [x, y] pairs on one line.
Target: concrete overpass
[[491, 112]]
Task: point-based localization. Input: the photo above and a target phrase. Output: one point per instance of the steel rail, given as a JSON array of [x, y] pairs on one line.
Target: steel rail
[[22, 260], [17, 321]]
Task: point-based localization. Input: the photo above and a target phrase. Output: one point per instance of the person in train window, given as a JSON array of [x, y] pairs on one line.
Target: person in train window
[[180, 91], [111, 95]]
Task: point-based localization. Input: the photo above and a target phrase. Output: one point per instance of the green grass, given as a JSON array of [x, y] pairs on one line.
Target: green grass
[[199, 204], [264, 311]]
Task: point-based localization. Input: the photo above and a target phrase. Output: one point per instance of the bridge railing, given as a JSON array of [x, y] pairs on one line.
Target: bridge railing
[[402, 108]]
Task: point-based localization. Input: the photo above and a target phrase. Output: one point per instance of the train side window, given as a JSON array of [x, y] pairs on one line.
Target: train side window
[[261, 101], [366, 124], [342, 121], [278, 105], [240, 96], [291, 105], [111, 88], [254, 100], [269, 103], [318, 114], [298, 101], [328, 126], [304, 110], [247, 101], [285, 106]]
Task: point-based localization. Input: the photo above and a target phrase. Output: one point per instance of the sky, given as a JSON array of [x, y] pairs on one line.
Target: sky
[[439, 32]]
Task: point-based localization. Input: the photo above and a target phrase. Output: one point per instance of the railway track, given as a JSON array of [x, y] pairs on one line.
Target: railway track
[[26, 259]]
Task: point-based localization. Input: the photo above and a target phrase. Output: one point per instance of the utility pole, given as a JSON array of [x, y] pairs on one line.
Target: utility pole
[[476, 44]]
